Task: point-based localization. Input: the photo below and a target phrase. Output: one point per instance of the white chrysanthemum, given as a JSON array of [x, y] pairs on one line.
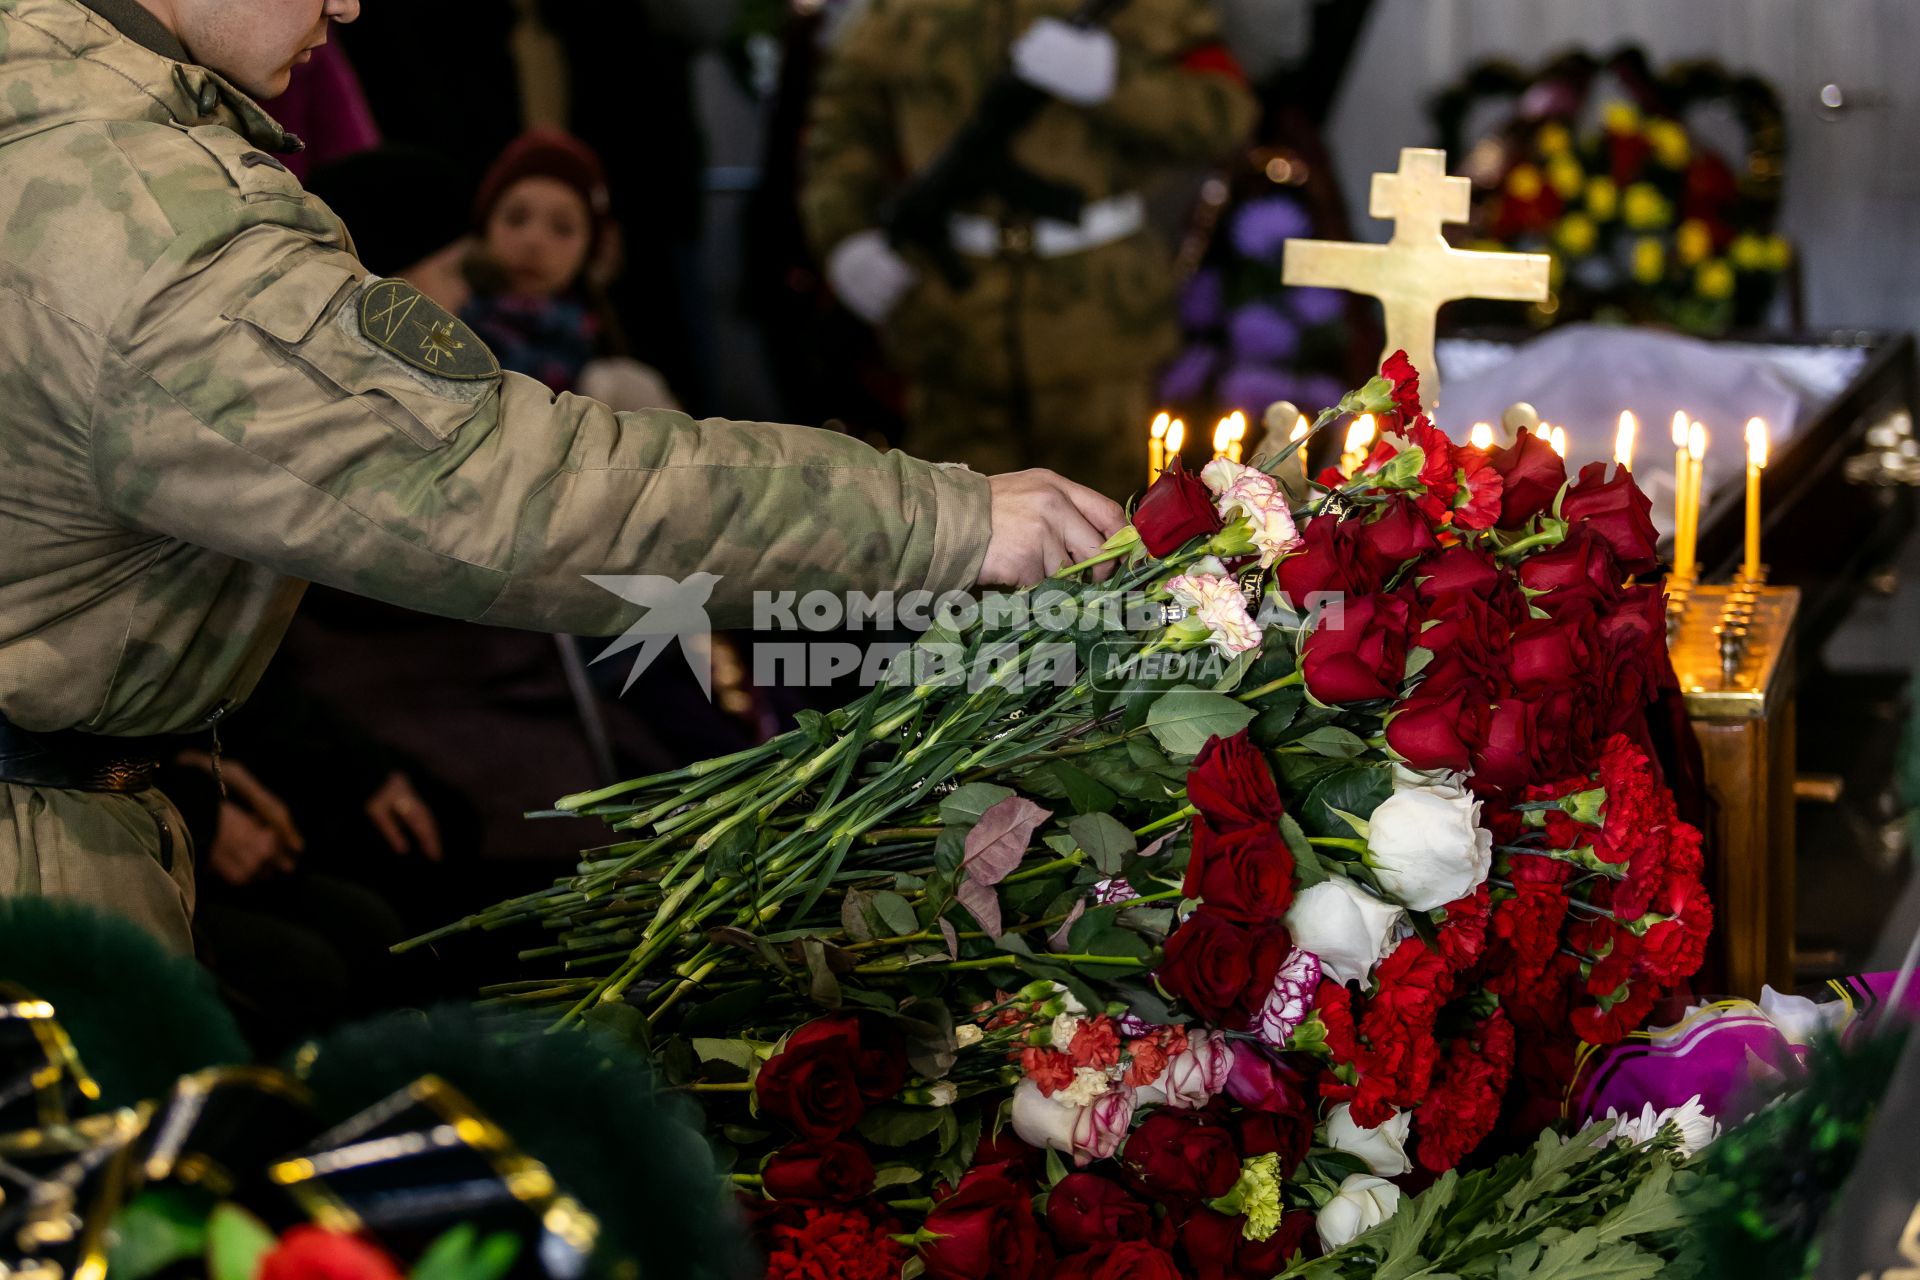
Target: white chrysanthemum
[[1696, 1128], [1220, 605]]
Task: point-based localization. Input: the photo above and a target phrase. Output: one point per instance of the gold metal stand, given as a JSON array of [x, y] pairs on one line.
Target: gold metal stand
[[1733, 651]]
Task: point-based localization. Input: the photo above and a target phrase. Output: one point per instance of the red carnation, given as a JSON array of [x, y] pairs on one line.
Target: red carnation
[[1467, 1092], [1479, 490], [831, 1244], [1175, 509], [1050, 1069], [1095, 1044], [1406, 384], [1674, 949]]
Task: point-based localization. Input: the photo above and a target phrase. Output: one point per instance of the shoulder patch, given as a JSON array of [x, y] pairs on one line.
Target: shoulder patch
[[413, 328]]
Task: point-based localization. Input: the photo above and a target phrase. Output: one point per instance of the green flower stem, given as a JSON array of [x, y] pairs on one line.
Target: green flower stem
[[1171, 820], [995, 962], [1035, 872], [722, 1086], [746, 1179], [1112, 553], [587, 799], [1545, 537], [1287, 681], [880, 835], [1338, 842]]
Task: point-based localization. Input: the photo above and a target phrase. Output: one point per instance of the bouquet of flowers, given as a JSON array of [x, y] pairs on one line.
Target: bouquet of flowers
[[1123, 967]]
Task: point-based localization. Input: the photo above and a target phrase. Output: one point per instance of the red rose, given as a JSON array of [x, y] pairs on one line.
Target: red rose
[[1397, 535], [1276, 1116], [1086, 1211], [1175, 509], [1132, 1260], [1547, 653], [828, 1070], [1439, 730], [1468, 636], [1245, 875], [836, 1171], [986, 1230], [1260, 1259], [313, 1253], [1531, 474], [1223, 971], [1211, 1240], [1180, 1157], [1633, 634], [1232, 786], [1579, 573], [1365, 657], [1511, 755], [1616, 512], [1459, 568], [1331, 561]]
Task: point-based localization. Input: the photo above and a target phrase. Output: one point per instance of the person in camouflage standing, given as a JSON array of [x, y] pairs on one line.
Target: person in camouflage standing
[[1046, 357], [209, 402]]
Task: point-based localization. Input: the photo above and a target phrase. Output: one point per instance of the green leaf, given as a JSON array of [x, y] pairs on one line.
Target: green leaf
[[1056, 1167], [897, 1175], [896, 1125], [1182, 720], [1652, 1207], [1105, 838], [1332, 740], [236, 1242], [1308, 868], [1409, 1228], [1086, 793], [1354, 790], [998, 842], [964, 807], [158, 1229], [857, 916], [896, 913], [1359, 825], [737, 1052], [1580, 1256], [1236, 671], [1275, 714]]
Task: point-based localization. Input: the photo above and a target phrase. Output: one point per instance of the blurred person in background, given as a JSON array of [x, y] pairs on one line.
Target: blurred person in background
[[1044, 356]]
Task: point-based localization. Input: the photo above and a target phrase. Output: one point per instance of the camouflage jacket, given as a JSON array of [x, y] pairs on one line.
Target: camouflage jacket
[[907, 75], [209, 403]]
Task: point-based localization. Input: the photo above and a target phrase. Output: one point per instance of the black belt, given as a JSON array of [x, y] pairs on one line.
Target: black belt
[[71, 761]]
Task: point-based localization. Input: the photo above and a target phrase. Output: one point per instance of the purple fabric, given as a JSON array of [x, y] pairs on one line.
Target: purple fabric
[[1313, 305], [1250, 388], [1185, 380], [324, 108], [1263, 226], [1203, 303], [1260, 332]]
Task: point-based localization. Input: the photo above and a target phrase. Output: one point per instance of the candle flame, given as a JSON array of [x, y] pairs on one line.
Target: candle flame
[[1160, 423], [1222, 436], [1238, 420], [1624, 438], [1360, 434], [1556, 438], [1176, 436], [1300, 428], [1481, 437], [1680, 428], [1757, 442], [1697, 441]]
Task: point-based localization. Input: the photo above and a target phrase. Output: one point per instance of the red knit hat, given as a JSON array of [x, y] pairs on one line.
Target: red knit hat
[[546, 153]]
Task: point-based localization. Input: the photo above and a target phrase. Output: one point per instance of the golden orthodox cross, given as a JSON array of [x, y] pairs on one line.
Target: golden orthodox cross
[[1417, 271]]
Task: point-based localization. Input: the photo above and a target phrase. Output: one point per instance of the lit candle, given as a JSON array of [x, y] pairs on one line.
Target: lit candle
[[1481, 436], [1623, 440], [1756, 463], [1176, 440], [1696, 496], [1299, 433], [1237, 436], [1682, 486], [1222, 437], [1359, 443], [1156, 446], [1557, 438]]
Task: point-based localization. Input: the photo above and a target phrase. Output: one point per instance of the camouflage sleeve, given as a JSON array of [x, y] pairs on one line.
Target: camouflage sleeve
[[849, 157], [1180, 95], [270, 402]]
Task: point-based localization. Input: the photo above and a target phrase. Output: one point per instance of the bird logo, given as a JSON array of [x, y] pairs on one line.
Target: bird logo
[[675, 611]]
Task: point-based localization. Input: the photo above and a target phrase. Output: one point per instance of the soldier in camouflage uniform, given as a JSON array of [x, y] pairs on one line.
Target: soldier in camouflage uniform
[[209, 403], [1046, 358]]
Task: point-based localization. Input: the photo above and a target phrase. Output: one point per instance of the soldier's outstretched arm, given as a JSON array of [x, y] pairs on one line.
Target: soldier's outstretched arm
[[1179, 92], [270, 401]]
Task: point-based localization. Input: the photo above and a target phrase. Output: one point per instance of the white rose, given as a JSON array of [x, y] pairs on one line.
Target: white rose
[[1344, 925], [1193, 1078], [1089, 1133], [1384, 1149], [1426, 846], [1364, 1203]]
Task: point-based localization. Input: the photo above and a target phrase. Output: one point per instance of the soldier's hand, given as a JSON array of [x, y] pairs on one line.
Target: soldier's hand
[[1043, 522], [403, 818], [245, 850]]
